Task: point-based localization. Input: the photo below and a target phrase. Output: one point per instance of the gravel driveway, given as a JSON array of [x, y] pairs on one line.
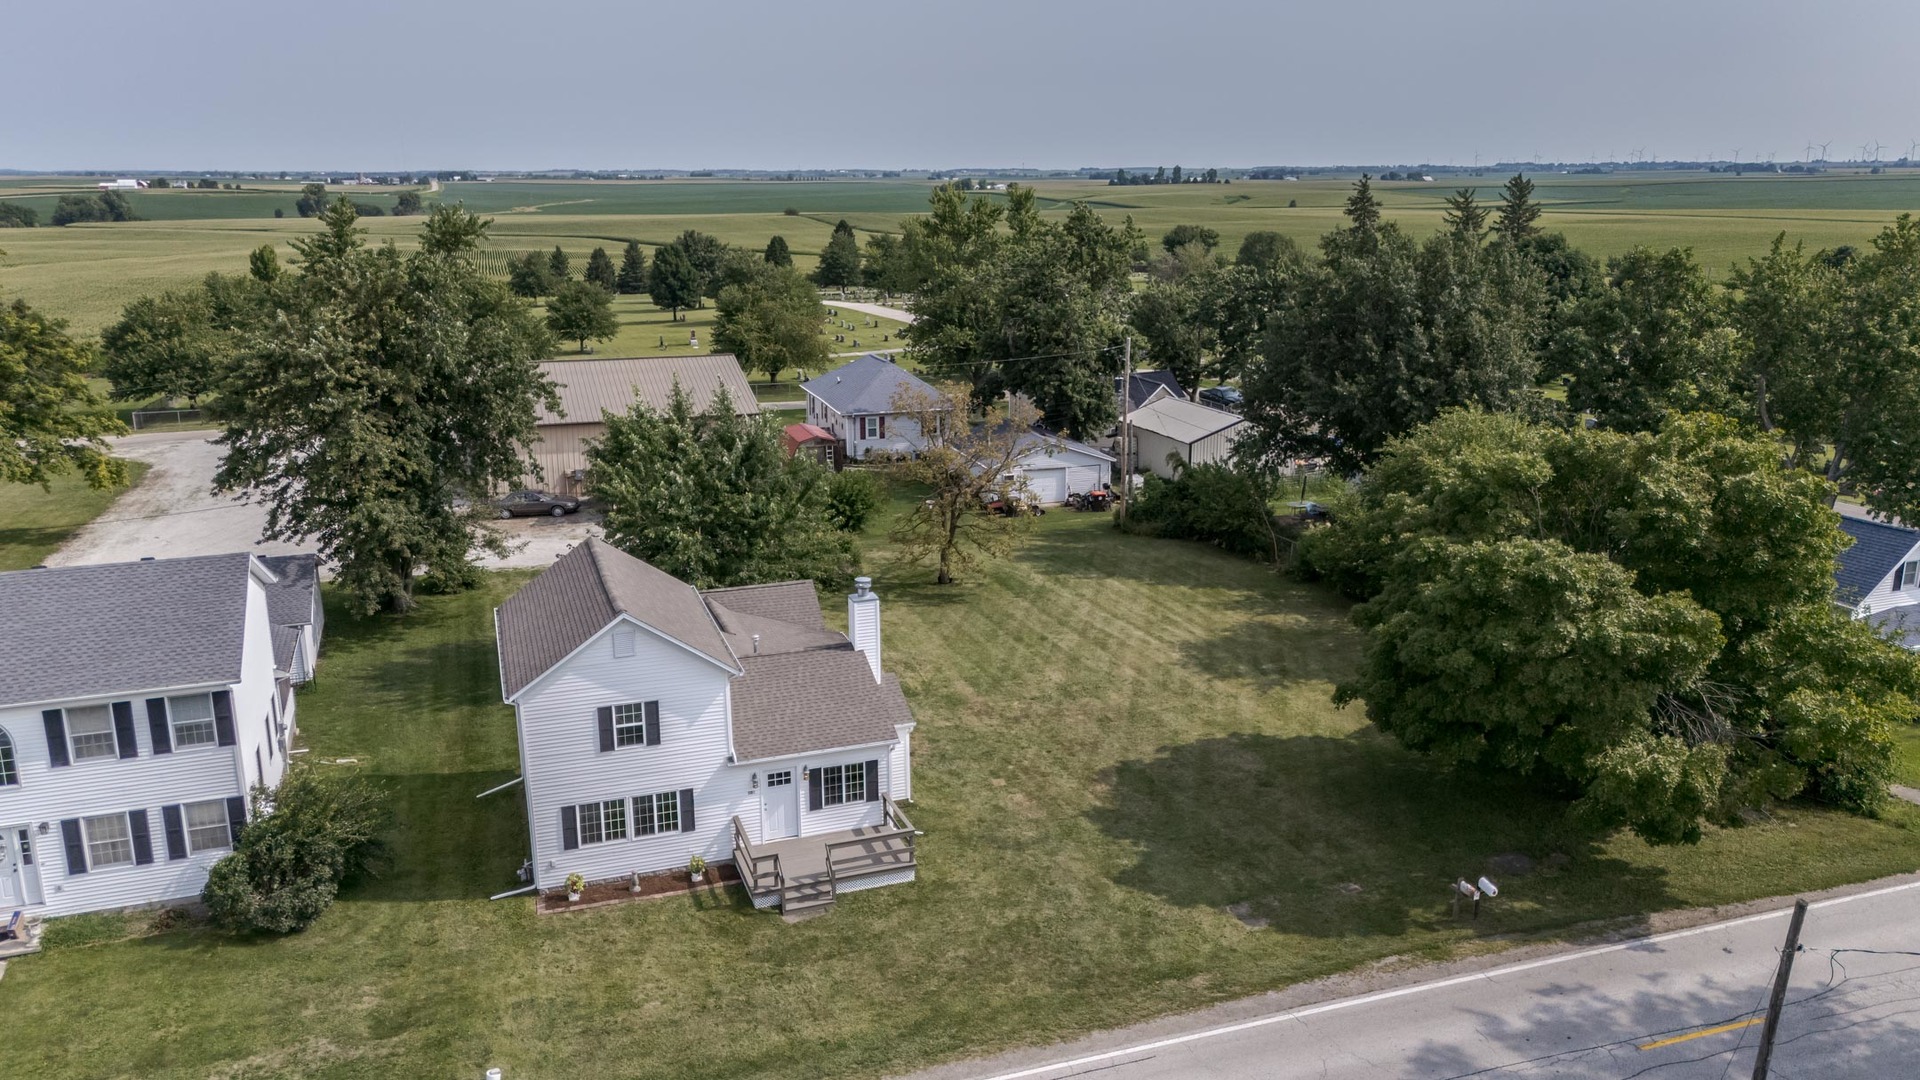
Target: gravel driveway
[[173, 512]]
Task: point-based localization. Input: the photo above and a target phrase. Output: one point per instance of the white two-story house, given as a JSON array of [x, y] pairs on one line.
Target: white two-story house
[[856, 403], [1878, 578], [139, 702], [658, 722]]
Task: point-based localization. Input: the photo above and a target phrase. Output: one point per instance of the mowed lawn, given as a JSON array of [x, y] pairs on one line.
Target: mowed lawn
[[35, 521], [1118, 738]]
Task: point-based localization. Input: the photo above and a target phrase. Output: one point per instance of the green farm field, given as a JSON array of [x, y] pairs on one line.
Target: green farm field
[[86, 273]]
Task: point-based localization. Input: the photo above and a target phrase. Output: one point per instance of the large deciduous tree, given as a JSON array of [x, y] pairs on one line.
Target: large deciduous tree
[[712, 497], [582, 311], [377, 389], [771, 322], [171, 345], [1640, 619], [964, 468], [674, 282], [51, 421]]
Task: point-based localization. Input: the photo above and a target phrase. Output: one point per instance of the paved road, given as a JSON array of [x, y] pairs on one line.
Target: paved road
[[173, 512], [878, 311], [1680, 1006]]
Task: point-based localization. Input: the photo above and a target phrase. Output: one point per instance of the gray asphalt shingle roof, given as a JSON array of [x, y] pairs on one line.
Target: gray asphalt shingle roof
[[122, 628], [290, 600], [1877, 548], [863, 387], [804, 702]]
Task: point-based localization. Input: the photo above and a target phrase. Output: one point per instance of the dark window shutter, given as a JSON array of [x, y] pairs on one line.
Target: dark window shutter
[[883, 427], [569, 829], [138, 824], [642, 816], [605, 713], [236, 817], [157, 725], [76, 851], [873, 779], [123, 729], [266, 721], [813, 789], [175, 826], [652, 709], [686, 809], [56, 737], [223, 717]]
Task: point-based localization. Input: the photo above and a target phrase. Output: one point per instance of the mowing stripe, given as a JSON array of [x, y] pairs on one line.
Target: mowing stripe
[[1438, 984], [1703, 1033]]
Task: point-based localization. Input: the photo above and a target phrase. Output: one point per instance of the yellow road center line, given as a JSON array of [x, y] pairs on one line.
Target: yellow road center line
[[1704, 1033]]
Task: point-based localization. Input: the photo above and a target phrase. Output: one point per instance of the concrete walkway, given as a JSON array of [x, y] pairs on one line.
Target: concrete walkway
[[1901, 791], [878, 311]]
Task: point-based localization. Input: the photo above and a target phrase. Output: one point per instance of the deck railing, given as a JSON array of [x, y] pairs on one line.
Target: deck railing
[[874, 851], [754, 868]]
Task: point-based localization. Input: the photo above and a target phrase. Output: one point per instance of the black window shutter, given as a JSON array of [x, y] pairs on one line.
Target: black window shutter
[[236, 816], [686, 809], [813, 789], [266, 721], [175, 827], [76, 851], [223, 717], [605, 714], [652, 709], [56, 737], [157, 725], [123, 729], [873, 779], [569, 828], [142, 839]]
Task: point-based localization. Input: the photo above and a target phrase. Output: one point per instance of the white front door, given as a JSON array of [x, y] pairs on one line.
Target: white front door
[[13, 876], [779, 806]]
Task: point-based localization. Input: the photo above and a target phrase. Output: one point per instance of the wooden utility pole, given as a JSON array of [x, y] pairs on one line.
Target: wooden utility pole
[[1779, 998], [1126, 431]]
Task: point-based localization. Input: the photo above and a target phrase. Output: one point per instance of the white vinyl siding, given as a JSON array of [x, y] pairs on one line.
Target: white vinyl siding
[[90, 733]]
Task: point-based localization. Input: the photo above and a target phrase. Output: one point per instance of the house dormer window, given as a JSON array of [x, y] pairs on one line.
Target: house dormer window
[[1907, 576]]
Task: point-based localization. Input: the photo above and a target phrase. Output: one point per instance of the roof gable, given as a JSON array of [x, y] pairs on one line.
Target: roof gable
[[1144, 386], [122, 628], [1878, 547], [864, 386], [588, 388]]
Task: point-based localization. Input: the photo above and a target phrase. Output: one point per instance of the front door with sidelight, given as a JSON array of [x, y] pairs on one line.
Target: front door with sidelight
[[779, 806], [17, 887]]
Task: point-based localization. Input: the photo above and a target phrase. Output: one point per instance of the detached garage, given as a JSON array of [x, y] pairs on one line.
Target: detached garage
[[1056, 467], [1171, 428]]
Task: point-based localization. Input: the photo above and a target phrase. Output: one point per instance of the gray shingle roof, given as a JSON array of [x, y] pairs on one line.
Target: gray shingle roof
[[865, 386], [122, 628], [590, 387], [1142, 384], [775, 635], [789, 601], [1877, 548], [286, 639], [803, 702], [290, 600], [576, 597]]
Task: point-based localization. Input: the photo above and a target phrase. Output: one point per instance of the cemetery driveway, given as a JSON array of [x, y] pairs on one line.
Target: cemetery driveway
[[173, 512], [878, 311]]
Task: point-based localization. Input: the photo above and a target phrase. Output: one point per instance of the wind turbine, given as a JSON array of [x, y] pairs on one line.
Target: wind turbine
[[1823, 149], [1877, 144], [1911, 146], [1863, 153], [1736, 155], [1808, 153]]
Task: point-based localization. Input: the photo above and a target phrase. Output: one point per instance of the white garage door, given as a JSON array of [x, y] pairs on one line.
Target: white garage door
[[1048, 485]]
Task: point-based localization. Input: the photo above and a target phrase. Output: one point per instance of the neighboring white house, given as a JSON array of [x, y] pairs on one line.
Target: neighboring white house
[[1878, 578], [855, 403], [1173, 427], [658, 722], [591, 388], [138, 704]]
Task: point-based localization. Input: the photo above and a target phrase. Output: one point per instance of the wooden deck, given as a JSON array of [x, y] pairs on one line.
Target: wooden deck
[[805, 874]]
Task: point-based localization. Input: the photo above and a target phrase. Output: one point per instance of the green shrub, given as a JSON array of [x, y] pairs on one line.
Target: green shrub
[[1215, 503], [852, 497], [301, 842]]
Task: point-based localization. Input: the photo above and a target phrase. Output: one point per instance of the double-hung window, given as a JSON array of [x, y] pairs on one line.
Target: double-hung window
[[656, 813], [603, 821], [870, 427], [109, 841], [630, 725], [90, 733], [207, 826], [192, 718], [843, 784], [1907, 576]]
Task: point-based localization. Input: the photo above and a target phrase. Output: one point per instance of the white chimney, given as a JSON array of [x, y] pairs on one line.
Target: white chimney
[[863, 622]]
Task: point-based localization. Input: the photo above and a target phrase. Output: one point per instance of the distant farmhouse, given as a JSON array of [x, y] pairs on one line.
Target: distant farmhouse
[[1878, 578], [591, 388]]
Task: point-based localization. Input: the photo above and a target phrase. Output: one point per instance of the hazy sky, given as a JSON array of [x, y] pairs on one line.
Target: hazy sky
[[406, 84]]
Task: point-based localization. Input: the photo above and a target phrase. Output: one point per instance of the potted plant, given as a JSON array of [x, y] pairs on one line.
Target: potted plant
[[576, 884], [697, 869]]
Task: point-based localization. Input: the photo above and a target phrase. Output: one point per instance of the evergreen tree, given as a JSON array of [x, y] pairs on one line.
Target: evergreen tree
[[559, 267], [632, 279], [777, 253], [1518, 212], [600, 270], [839, 260], [528, 276], [1362, 208], [1177, 178], [1465, 217]]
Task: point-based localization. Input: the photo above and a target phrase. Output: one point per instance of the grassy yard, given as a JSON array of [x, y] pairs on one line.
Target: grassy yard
[[34, 522], [646, 330], [1119, 739]]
